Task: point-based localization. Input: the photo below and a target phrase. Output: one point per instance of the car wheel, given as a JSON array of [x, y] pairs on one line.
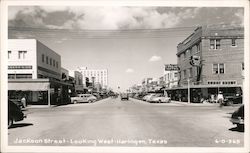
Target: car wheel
[[10, 122], [89, 101], [74, 101]]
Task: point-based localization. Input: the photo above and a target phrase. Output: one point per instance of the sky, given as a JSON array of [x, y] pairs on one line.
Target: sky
[[131, 42]]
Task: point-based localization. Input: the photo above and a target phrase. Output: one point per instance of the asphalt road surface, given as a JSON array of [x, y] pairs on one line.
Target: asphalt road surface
[[134, 123]]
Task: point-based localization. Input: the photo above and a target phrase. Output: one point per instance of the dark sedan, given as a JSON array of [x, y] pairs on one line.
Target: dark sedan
[[14, 113], [238, 117]]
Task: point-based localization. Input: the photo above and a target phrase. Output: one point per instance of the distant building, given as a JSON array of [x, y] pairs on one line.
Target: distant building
[[78, 81], [94, 76], [34, 71], [171, 75], [212, 59]]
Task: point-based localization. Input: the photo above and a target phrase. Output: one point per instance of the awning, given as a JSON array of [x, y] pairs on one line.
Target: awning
[[29, 85]]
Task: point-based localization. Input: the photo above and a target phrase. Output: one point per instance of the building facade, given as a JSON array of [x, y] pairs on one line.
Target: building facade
[[77, 80], [94, 76], [212, 57], [34, 72], [30, 59]]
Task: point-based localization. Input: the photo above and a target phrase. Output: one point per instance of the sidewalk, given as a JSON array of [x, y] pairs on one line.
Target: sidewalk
[[195, 104]]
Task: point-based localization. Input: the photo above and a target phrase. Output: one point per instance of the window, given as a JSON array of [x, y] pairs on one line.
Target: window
[[43, 58], [242, 66], [9, 52], [214, 44], [233, 42], [215, 68], [50, 61], [54, 63], [198, 47], [219, 68], [21, 54], [47, 60]]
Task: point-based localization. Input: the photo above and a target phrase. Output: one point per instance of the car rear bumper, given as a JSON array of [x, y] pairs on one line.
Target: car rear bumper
[[237, 120]]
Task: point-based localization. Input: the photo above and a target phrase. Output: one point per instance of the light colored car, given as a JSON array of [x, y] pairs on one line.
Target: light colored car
[[161, 99], [148, 97], [83, 98]]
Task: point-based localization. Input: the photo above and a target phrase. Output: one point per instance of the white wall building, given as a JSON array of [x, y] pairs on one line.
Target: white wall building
[[171, 75], [30, 59], [95, 76]]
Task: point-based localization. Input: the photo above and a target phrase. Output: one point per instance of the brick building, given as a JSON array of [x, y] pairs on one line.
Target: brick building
[[219, 51]]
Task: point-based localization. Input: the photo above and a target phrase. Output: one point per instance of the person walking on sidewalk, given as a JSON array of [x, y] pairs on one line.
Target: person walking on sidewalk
[[220, 99]]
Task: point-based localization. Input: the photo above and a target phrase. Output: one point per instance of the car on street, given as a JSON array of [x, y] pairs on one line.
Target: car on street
[[238, 117], [160, 99], [232, 99], [89, 98], [147, 97], [124, 96], [14, 113]]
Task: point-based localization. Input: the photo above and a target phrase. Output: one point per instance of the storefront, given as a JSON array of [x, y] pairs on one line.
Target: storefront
[[39, 91]]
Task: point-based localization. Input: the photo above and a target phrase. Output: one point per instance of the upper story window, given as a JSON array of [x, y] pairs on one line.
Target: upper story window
[[43, 58], [214, 44], [242, 66], [9, 53], [190, 72], [198, 47], [56, 64], [50, 61], [233, 42], [47, 60], [219, 68], [22, 54]]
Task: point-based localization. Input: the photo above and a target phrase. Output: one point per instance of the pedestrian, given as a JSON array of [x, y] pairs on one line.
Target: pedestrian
[[220, 98], [23, 101]]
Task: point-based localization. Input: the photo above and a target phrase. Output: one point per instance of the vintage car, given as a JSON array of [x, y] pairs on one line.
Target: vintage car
[[14, 113], [238, 117], [160, 99], [124, 96], [88, 98], [232, 99]]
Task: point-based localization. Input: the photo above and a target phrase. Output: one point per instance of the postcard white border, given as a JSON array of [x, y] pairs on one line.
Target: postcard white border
[[146, 3]]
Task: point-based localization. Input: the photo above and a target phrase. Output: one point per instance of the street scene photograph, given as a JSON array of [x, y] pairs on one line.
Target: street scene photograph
[[125, 76]]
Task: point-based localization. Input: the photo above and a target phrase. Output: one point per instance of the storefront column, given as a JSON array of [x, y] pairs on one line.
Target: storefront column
[[49, 97]]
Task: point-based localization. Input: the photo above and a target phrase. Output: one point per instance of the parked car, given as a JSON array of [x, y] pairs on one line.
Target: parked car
[[161, 99], [89, 98], [14, 113], [124, 96], [18, 102], [147, 97], [238, 117], [232, 99]]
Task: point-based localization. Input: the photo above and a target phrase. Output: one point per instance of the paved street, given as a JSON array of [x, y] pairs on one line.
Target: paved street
[[112, 122]]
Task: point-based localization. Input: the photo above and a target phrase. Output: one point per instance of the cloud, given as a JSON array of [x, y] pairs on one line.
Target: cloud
[[99, 17], [129, 70], [155, 58]]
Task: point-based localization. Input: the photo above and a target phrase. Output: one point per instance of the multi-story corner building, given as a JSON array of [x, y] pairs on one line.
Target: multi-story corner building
[[34, 71], [219, 54], [171, 75], [30, 59], [94, 76]]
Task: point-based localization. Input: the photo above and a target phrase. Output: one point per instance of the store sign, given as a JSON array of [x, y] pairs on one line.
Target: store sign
[[171, 67]]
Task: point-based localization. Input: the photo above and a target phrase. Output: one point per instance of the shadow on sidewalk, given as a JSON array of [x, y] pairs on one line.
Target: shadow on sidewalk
[[20, 125]]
